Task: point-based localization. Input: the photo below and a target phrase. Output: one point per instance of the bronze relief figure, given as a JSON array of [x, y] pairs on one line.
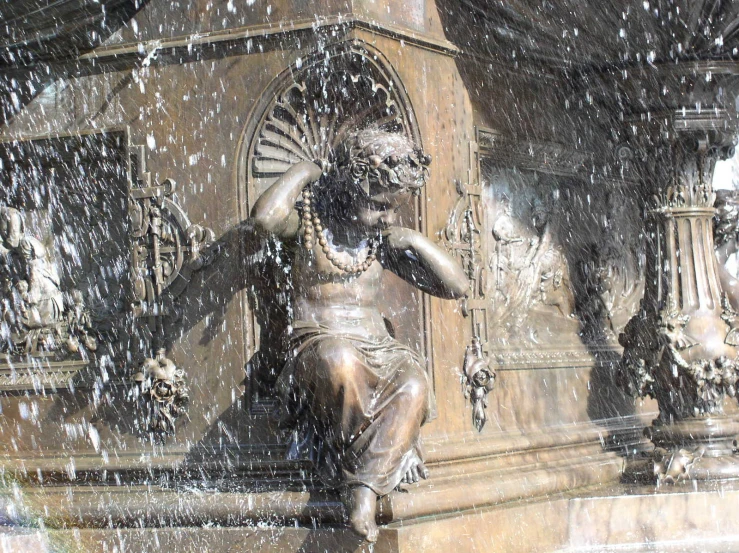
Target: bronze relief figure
[[357, 396]]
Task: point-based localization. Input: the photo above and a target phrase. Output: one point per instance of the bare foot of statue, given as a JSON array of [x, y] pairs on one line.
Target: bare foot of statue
[[416, 471], [362, 503]]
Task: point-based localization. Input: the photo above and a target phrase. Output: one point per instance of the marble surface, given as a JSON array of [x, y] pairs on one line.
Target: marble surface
[[18, 540]]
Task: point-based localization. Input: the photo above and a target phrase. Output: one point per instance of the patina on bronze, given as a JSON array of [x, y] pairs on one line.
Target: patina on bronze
[[358, 396]]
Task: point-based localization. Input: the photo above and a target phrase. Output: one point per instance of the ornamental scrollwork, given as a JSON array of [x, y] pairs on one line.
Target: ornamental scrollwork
[[463, 238], [167, 248]]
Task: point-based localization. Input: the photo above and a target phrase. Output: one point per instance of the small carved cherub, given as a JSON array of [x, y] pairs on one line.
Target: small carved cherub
[[361, 394], [79, 323]]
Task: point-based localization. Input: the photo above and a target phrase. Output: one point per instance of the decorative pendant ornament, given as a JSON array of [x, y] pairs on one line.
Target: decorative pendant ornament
[[312, 228]]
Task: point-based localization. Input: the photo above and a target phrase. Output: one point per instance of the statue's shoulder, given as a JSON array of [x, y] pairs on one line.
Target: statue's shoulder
[[32, 248]]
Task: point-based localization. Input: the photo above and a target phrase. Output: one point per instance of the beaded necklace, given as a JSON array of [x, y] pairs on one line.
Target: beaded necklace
[[312, 227]]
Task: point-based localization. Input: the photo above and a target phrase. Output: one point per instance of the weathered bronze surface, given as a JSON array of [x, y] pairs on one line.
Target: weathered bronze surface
[[357, 396], [570, 192]]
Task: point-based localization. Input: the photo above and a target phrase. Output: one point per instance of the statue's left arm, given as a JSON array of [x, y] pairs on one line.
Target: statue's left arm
[[419, 261]]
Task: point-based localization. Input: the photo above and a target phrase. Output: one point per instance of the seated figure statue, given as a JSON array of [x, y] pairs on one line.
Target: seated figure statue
[[35, 277], [358, 396]]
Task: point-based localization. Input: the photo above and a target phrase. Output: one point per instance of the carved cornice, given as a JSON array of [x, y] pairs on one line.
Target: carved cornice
[[547, 157], [247, 40]]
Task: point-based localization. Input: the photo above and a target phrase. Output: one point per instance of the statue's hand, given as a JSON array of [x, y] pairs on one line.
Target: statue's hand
[[323, 165]]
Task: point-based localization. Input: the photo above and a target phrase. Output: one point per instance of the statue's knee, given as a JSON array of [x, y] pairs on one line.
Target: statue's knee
[[338, 358], [416, 388]]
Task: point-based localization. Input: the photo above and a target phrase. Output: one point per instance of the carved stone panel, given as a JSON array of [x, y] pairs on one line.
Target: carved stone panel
[[556, 267], [93, 255], [65, 258], [526, 278]]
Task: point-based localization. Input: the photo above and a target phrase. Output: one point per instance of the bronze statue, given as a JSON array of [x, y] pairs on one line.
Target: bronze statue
[[358, 396], [36, 285]]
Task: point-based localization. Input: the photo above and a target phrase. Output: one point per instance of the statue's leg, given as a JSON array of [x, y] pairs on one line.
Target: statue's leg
[[372, 413]]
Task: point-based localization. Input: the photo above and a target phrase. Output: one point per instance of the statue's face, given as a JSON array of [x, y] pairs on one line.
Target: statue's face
[[406, 172], [540, 218], [397, 170]]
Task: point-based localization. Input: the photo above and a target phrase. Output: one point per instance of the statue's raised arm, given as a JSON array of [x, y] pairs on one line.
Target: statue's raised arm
[[274, 211], [417, 260]]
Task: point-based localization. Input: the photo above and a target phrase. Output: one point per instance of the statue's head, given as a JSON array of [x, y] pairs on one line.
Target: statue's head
[[539, 216], [11, 227], [382, 170], [379, 162]]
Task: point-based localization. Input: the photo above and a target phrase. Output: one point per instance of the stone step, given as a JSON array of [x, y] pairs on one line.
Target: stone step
[[677, 546], [20, 540]]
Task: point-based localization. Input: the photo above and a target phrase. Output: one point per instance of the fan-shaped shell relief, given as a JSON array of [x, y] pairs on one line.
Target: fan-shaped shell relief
[[313, 114]]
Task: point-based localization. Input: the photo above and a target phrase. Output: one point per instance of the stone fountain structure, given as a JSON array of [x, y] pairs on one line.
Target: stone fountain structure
[[555, 288]]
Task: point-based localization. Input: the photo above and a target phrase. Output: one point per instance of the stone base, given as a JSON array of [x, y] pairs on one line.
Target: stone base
[[715, 435], [694, 449], [619, 518]]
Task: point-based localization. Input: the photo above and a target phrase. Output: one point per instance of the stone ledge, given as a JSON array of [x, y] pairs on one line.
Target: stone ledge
[[608, 519], [477, 483], [21, 540]]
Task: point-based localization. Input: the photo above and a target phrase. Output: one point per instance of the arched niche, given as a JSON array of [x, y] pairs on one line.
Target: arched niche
[[303, 114]]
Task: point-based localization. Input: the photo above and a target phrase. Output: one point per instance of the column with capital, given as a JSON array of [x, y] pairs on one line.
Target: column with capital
[[681, 347]]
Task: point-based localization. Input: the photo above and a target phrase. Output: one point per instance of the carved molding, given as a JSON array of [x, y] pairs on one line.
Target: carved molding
[[548, 157], [41, 376]]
